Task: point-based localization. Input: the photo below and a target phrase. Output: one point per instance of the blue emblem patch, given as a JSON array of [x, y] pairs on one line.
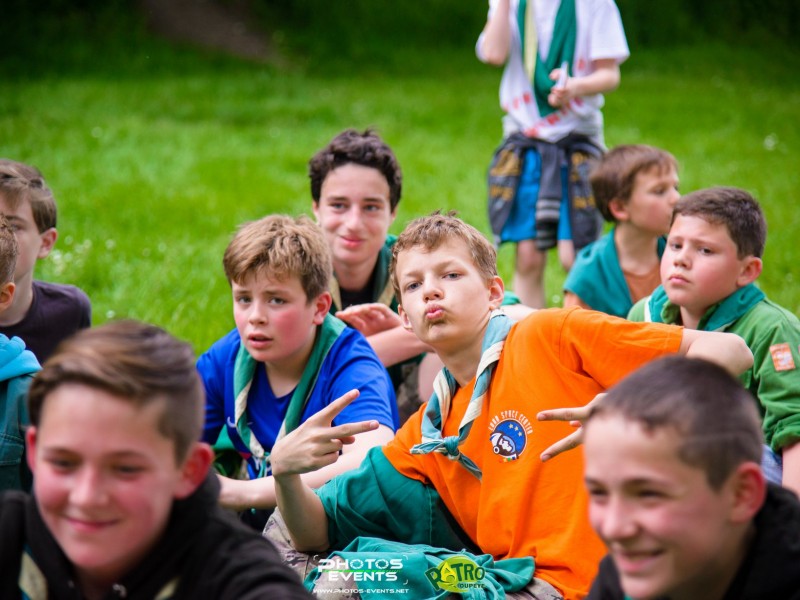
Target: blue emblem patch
[[508, 439]]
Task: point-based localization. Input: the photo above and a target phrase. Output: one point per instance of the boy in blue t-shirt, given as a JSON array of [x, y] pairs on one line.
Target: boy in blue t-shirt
[[286, 359]]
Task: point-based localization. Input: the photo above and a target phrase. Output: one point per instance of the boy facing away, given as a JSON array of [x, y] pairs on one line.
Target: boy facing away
[[476, 444], [17, 366], [635, 188], [42, 313], [708, 273], [676, 493], [286, 359], [124, 505]]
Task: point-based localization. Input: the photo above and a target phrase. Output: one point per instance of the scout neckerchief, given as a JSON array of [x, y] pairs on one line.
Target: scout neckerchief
[[719, 317], [444, 388], [562, 48], [243, 371], [382, 289]]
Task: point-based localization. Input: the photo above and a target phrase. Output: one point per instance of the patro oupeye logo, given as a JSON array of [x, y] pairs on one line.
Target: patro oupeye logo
[[456, 574]]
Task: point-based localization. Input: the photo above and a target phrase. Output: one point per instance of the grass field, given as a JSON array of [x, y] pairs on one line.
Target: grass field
[[156, 153]]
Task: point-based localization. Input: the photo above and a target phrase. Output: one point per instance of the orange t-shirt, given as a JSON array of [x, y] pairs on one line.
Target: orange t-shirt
[[553, 359]]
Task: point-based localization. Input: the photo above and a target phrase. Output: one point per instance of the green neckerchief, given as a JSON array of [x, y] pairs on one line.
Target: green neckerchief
[[500, 577], [382, 289], [414, 528], [562, 48], [717, 318], [603, 286], [444, 389], [243, 372]]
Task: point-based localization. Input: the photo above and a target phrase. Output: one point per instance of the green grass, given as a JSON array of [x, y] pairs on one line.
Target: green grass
[[156, 153]]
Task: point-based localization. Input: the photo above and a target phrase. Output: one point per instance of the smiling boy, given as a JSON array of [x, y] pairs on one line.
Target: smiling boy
[[123, 503], [476, 443], [286, 359], [676, 493], [708, 272]]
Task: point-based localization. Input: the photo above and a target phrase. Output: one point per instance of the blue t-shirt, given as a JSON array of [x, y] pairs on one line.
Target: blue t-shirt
[[350, 364]]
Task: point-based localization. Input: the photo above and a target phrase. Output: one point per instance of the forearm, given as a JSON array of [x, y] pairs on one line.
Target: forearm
[[496, 40], [604, 78], [396, 345], [791, 467], [261, 493], [303, 513], [726, 349]]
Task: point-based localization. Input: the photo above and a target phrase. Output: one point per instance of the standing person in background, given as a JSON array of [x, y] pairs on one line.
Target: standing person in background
[[559, 58]]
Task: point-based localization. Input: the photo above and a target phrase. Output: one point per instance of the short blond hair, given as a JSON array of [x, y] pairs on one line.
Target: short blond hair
[[281, 246], [434, 230]]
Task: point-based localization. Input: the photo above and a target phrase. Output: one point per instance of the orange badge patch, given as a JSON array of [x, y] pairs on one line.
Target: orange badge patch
[[782, 357]]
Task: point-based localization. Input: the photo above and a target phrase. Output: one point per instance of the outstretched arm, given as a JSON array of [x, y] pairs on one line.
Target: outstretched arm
[[726, 349], [260, 493], [313, 445], [496, 38]]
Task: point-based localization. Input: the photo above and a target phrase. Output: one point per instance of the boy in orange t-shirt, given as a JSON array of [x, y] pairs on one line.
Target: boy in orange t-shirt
[[477, 442]]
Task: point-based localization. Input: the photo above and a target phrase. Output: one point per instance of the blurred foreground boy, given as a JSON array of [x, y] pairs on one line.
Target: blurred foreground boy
[[476, 445], [672, 469], [123, 503]]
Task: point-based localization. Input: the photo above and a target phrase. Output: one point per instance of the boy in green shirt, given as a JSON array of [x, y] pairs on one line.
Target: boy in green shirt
[[708, 270]]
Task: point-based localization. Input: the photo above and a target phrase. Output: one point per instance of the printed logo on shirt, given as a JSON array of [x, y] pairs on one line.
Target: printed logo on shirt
[[456, 574], [509, 433], [782, 357]]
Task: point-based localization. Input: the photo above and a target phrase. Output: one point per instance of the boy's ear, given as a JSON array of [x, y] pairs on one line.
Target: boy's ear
[[49, 237], [194, 470], [497, 291], [748, 492], [322, 304], [618, 210], [404, 318], [7, 295], [751, 269], [30, 447]]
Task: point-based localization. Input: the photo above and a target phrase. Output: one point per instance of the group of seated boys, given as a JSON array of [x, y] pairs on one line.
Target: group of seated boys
[[304, 429]]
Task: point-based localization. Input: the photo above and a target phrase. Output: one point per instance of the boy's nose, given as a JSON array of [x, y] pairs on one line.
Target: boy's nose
[[353, 217], [88, 488], [616, 522], [430, 290], [257, 314]]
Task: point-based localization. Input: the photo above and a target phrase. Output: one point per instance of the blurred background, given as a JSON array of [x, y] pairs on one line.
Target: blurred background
[[163, 124]]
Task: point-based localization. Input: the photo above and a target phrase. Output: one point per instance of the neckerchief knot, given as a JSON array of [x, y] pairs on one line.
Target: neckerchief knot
[[444, 388]]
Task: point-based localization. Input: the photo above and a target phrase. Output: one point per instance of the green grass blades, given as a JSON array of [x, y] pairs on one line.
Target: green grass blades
[[156, 153]]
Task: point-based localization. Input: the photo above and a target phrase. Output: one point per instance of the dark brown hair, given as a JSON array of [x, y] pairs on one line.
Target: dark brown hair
[[366, 149]]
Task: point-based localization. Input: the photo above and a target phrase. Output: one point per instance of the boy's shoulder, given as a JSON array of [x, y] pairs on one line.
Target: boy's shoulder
[[61, 293], [764, 320], [15, 359]]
